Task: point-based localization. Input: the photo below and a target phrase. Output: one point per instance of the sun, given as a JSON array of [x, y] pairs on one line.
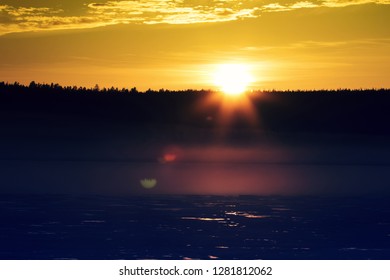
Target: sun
[[233, 79]]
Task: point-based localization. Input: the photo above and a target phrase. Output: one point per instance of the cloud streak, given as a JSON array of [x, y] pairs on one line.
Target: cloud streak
[[96, 14], [23, 19], [166, 11]]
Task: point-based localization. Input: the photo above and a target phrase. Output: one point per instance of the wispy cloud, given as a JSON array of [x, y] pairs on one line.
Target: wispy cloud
[[169, 11], [19, 19], [22, 19], [277, 7], [95, 14], [345, 3]]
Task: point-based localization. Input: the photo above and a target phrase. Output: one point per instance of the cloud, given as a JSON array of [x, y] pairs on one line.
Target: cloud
[[22, 19], [19, 19], [275, 7], [303, 4], [345, 3], [168, 11], [103, 13]]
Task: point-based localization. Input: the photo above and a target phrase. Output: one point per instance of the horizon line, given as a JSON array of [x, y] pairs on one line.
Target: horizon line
[[52, 85]]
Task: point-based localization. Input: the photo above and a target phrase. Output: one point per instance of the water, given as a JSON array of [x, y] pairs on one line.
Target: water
[[193, 227]]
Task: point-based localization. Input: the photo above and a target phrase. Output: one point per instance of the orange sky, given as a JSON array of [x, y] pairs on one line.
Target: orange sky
[[178, 44]]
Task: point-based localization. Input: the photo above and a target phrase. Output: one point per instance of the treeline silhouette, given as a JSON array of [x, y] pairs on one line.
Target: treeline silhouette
[[341, 110], [42, 88]]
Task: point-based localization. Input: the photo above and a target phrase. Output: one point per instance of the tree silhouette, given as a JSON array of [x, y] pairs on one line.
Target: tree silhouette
[[340, 110]]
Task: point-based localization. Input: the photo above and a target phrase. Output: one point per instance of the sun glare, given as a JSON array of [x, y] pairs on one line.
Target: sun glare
[[233, 79]]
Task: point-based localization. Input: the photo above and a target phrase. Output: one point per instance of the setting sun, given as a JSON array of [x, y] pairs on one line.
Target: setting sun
[[233, 79]]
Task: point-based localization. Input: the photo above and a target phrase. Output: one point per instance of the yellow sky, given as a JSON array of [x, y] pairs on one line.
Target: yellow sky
[[178, 44]]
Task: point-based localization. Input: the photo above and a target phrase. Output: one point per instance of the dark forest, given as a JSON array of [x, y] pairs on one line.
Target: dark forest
[[341, 111]]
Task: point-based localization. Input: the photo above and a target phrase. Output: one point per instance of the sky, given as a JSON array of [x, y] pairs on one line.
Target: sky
[[179, 44]]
